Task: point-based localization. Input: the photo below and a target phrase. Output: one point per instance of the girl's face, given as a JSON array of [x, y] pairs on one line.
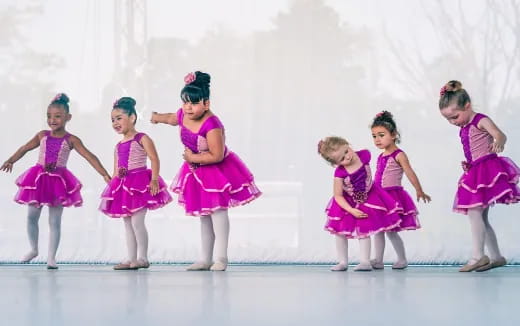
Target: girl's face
[[456, 115], [122, 122], [382, 137], [195, 111], [57, 117], [344, 155]]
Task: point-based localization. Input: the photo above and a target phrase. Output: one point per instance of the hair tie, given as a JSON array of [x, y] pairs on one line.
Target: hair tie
[[189, 78]]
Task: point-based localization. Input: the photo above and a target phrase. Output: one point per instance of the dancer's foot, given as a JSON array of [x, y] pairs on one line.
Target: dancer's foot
[[141, 263], [377, 264], [219, 265], [199, 266], [124, 266], [341, 267], [473, 264], [400, 264], [363, 267], [29, 256], [492, 264]]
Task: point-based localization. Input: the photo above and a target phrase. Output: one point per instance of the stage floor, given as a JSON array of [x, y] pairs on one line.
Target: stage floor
[[257, 295]]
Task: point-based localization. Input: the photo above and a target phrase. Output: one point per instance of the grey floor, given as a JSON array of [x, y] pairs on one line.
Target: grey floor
[[257, 295]]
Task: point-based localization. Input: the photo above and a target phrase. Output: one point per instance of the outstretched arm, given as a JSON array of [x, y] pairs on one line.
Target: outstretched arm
[[500, 138], [91, 158], [402, 159], [167, 118], [215, 151], [31, 144], [150, 150]]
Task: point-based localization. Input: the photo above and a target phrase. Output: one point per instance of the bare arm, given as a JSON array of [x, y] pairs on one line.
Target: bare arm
[[167, 118], [500, 138], [338, 196], [402, 159], [151, 152], [215, 151], [92, 159], [30, 145]]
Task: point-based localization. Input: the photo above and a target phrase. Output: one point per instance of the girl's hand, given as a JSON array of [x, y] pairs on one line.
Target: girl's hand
[[497, 146], [188, 155], [423, 196], [358, 213], [107, 178], [7, 166], [154, 187], [154, 117]]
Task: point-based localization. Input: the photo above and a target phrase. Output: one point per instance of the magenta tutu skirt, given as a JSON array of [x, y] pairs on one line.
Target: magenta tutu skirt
[[382, 210], [207, 188], [489, 180], [56, 187], [126, 195], [409, 214]]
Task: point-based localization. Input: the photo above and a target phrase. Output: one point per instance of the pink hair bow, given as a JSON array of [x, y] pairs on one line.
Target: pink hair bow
[[57, 97], [189, 78], [443, 91]]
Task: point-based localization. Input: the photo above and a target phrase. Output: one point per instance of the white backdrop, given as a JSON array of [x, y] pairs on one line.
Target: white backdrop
[[284, 75]]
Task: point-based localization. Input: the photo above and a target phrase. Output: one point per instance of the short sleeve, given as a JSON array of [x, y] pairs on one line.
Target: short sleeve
[[364, 156], [211, 123], [180, 115], [340, 172]]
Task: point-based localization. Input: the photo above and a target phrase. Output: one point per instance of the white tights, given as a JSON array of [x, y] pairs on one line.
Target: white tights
[[136, 237], [483, 234], [342, 250], [33, 231], [397, 243], [214, 231]]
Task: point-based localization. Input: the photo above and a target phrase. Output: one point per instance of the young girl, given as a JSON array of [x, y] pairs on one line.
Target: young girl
[[359, 207], [390, 167], [134, 188], [49, 182], [487, 178], [212, 178]]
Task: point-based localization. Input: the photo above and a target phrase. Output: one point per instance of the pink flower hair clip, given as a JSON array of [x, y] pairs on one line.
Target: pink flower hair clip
[[189, 78], [443, 91], [320, 144], [380, 114], [57, 97], [115, 103]]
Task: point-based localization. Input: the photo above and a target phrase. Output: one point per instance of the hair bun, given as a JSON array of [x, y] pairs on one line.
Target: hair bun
[[202, 79], [453, 86], [126, 102], [60, 98]]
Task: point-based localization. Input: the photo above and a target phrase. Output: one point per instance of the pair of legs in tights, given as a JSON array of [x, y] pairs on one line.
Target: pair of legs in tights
[[342, 250], [379, 248], [136, 240], [214, 231], [483, 236], [33, 232]]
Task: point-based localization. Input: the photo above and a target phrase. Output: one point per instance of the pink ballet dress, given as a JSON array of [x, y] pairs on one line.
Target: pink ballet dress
[[487, 178], [129, 191], [49, 182], [361, 193], [388, 176], [203, 189]]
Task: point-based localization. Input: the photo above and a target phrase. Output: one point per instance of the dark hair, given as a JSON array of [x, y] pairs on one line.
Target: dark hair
[[197, 87], [61, 99], [453, 92], [386, 119], [127, 104]]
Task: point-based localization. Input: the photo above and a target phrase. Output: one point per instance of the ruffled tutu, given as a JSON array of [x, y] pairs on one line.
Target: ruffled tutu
[[124, 196], [382, 210], [492, 179], [409, 214], [207, 188], [58, 187]]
